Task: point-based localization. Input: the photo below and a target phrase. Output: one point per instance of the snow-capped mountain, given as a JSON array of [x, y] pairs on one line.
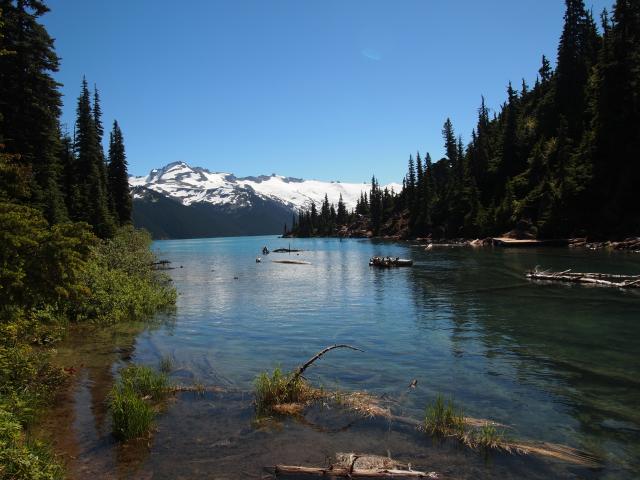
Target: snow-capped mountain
[[180, 201], [190, 185]]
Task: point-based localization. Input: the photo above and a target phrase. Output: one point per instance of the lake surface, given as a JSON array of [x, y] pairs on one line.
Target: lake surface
[[557, 363]]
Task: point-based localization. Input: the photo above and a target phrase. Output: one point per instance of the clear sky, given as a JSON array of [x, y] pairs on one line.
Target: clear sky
[[325, 89]]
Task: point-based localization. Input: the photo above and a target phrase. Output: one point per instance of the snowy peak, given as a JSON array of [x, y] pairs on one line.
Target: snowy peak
[[188, 185]]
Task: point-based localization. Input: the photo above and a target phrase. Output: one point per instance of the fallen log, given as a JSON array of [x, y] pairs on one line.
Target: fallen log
[[346, 472], [602, 279]]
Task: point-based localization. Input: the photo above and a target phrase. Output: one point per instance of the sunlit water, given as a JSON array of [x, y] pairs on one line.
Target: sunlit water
[[557, 363]]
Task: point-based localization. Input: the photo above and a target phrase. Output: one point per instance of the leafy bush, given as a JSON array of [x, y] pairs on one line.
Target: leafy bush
[[122, 283], [22, 460]]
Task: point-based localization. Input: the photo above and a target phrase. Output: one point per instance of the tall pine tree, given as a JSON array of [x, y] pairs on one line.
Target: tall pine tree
[[118, 176]]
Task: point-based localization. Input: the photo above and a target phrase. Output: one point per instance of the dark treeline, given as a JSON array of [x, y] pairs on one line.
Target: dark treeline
[[561, 156], [377, 207]]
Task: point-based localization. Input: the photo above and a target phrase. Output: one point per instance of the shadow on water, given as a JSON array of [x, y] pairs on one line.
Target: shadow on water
[[463, 323]]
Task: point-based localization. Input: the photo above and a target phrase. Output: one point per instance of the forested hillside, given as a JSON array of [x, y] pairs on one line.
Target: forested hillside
[[67, 250], [561, 156]]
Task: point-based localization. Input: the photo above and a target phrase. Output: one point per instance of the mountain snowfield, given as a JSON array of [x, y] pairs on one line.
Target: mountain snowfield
[[189, 185]]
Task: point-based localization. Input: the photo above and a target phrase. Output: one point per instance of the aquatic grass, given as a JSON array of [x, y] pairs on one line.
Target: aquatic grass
[[130, 401], [488, 437], [131, 415], [444, 418], [280, 388], [144, 381], [166, 364]]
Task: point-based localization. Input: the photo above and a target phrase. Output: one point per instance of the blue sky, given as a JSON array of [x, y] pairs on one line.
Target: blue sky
[[332, 90]]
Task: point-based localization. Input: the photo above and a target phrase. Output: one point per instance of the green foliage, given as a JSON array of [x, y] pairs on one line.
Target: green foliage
[[39, 265], [121, 280], [444, 418], [21, 459]]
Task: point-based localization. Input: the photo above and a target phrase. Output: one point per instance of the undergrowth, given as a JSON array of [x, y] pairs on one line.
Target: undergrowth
[[52, 277]]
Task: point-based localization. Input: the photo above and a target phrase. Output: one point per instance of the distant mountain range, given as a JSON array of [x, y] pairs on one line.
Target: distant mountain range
[[180, 201]]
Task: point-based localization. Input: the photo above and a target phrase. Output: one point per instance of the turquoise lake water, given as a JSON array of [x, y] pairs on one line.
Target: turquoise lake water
[[556, 363]]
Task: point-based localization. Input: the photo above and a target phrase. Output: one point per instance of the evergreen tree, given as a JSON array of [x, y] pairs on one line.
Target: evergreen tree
[[92, 198], [30, 104], [97, 121], [118, 176], [341, 215]]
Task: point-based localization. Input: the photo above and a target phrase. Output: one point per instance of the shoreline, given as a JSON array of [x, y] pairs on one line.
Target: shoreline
[[629, 244]]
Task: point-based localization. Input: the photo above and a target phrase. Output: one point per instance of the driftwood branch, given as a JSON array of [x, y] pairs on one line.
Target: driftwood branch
[[347, 472], [308, 363]]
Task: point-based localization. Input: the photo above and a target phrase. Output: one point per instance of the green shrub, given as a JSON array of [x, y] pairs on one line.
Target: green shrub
[[122, 282], [22, 460]]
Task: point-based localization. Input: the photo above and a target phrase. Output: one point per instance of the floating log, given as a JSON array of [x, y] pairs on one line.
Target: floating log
[[354, 465], [292, 262], [602, 279]]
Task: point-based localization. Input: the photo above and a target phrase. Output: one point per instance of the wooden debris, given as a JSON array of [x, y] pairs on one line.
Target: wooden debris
[[351, 465], [602, 279], [300, 370]]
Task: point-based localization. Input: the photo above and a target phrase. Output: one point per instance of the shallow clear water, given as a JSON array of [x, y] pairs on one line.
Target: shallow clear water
[[557, 363]]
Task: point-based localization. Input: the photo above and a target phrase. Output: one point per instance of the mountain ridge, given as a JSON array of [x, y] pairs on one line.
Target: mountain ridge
[[182, 201]]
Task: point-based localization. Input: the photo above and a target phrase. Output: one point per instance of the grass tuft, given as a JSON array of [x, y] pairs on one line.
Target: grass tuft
[[488, 437], [166, 364], [444, 418], [132, 413], [144, 382], [279, 388]]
